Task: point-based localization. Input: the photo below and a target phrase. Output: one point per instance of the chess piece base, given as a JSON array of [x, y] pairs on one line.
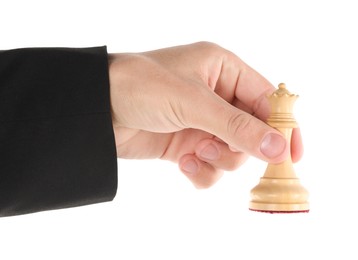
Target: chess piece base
[[274, 195]]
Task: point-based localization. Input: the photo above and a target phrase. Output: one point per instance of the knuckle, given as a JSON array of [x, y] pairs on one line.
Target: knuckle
[[203, 185], [207, 178], [239, 124], [206, 44], [236, 162], [233, 165], [209, 47]]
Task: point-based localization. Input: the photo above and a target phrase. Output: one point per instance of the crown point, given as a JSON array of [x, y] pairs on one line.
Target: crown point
[[282, 85]]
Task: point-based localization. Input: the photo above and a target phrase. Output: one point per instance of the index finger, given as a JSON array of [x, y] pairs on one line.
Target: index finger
[[244, 87], [247, 89]]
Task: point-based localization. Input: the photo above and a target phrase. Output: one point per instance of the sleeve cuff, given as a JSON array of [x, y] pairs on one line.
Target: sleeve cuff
[[57, 147]]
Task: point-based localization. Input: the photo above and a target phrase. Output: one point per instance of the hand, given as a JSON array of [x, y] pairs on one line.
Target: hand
[[198, 105]]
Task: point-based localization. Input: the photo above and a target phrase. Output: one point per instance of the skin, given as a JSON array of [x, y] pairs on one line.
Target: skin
[[197, 105]]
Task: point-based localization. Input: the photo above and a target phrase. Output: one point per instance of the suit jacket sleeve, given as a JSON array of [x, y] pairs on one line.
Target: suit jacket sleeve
[[57, 147]]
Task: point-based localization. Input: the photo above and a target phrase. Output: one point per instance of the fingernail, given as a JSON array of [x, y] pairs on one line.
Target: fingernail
[[190, 166], [210, 152], [273, 145]]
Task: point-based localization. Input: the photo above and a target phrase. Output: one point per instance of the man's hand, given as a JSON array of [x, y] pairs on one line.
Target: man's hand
[[198, 105]]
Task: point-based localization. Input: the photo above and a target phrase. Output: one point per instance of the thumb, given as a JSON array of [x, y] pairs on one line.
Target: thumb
[[240, 130]]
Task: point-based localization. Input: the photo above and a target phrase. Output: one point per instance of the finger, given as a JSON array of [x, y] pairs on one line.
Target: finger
[[296, 145], [296, 139], [201, 174], [219, 155], [237, 128], [238, 81]]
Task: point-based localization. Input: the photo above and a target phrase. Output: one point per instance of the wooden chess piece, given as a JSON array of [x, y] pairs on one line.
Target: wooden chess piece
[[279, 190]]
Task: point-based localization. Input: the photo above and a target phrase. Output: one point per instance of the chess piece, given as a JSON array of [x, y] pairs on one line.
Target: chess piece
[[279, 190]]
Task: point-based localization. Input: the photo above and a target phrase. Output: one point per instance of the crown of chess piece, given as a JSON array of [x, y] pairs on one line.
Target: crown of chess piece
[[279, 190]]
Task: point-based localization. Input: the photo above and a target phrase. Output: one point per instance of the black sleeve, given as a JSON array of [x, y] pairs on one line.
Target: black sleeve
[[57, 147]]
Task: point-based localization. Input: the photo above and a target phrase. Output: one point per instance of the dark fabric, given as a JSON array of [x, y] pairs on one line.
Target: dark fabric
[[57, 147]]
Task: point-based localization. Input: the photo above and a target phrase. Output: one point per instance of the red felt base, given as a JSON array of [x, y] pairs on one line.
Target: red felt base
[[280, 212]]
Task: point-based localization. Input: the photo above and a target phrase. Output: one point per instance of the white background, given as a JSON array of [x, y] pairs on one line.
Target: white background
[[157, 214]]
